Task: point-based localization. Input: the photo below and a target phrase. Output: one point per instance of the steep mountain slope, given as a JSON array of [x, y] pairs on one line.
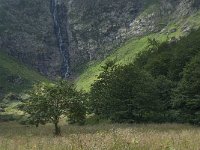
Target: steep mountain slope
[[26, 32], [64, 37], [129, 50], [59, 36], [15, 76]]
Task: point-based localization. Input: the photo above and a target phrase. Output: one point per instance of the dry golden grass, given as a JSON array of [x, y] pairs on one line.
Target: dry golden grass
[[101, 137]]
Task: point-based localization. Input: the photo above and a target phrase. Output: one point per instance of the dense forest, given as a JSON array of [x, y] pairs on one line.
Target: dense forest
[[162, 85]]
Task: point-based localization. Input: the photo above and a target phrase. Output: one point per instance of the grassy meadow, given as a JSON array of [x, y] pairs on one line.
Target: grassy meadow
[[100, 137]]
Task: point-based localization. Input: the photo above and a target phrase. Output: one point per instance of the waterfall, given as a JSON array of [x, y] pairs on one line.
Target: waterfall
[[61, 32]]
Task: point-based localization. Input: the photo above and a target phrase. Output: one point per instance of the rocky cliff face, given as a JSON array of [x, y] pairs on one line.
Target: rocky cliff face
[[57, 37], [26, 32]]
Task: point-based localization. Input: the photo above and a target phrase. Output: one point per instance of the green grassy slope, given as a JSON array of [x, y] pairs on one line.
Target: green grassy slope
[[123, 55], [127, 52], [11, 70]]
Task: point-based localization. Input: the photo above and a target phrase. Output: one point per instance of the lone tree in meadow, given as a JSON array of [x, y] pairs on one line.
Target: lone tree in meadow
[[50, 102]]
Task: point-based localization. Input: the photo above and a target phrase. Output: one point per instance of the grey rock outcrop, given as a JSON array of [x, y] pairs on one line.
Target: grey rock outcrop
[[91, 29]]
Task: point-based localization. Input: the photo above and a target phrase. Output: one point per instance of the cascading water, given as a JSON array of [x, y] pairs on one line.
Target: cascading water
[[61, 32]]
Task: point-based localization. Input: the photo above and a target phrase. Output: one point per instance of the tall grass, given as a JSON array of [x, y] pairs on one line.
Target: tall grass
[[100, 137]]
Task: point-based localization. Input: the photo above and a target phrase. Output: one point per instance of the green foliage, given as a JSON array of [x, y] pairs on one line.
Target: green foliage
[[162, 85], [128, 51], [49, 102], [16, 77], [169, 59], [124, 94], [77, 109], [177, 63], [123, 55], [187, 95], [7, 117], [164, 90], [154, 61]]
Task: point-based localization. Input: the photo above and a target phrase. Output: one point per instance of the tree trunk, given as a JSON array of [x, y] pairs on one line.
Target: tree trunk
[[57, 129]]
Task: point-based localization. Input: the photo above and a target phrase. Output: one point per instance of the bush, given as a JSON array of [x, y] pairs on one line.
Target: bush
[[8, 117], [124, 94]]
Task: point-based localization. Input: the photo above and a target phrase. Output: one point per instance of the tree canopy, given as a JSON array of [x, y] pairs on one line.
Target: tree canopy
[[49, 102]]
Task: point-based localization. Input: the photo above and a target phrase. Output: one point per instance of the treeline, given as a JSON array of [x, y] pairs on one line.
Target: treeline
[[162, 85]]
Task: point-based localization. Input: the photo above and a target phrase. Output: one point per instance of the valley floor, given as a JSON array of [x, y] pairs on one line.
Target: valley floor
[[101, 137]]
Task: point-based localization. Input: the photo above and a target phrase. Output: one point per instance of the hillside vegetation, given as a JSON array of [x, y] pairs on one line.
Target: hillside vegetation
[[94, 28], [161, 85], [140, 89], [127, 52], [15, 76]]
